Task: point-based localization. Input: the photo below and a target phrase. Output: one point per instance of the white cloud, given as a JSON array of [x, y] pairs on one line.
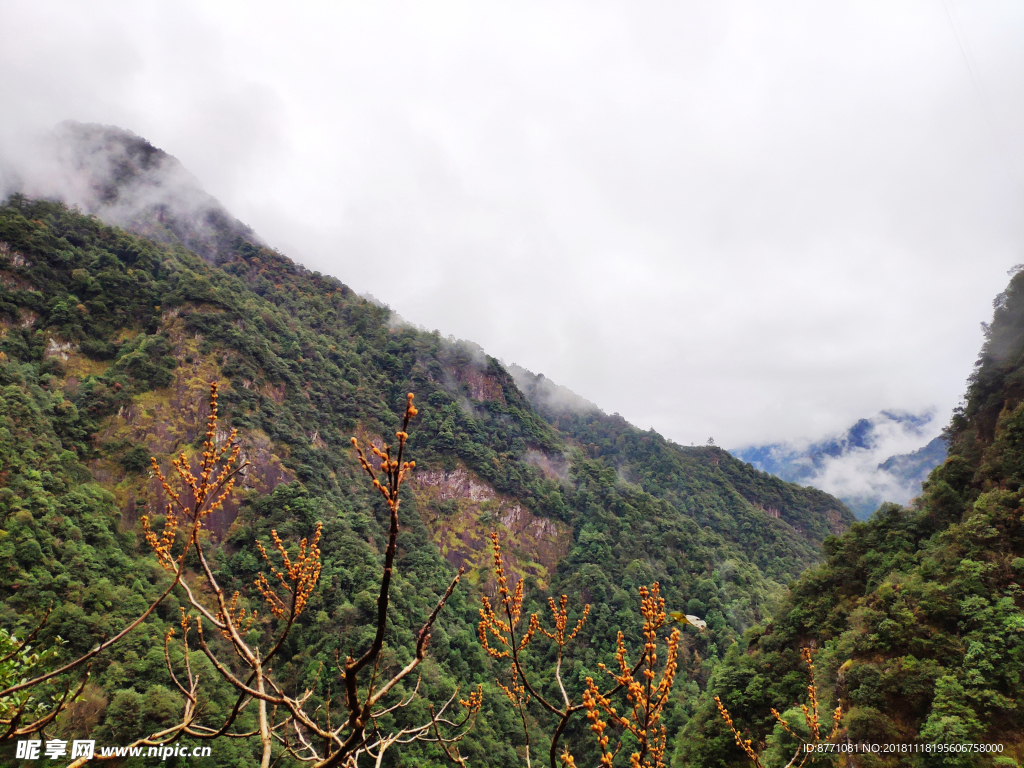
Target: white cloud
[[856, 473], [758, 221]]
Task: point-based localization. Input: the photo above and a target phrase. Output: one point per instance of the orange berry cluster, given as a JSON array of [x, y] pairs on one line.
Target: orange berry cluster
[[594, 702], [185, 626], [810, 712], [162, 546], [475, 700], [209, 491], [512, 602], [237, 615], [298, 578], [646, 694], [515, 693], [560, 614], [745, 744], [388, 477]]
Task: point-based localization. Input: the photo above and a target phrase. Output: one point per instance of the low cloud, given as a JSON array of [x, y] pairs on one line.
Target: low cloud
[[547, 396], [879, 459], [124, 180]]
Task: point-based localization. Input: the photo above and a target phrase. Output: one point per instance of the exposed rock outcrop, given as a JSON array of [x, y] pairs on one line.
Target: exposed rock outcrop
[[461, 511]]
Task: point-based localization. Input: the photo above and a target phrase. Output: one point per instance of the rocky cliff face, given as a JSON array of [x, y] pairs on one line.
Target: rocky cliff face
[[461, 511], [165, 423]]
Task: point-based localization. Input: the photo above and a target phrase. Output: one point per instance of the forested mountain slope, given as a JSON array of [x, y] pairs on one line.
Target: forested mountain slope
[[919, 613], [107, 344], [706, 483]]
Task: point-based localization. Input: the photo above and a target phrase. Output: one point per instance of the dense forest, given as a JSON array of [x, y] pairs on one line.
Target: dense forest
[[108, 342]]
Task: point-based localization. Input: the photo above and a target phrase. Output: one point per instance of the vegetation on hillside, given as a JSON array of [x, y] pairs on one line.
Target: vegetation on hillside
[[107, 341]]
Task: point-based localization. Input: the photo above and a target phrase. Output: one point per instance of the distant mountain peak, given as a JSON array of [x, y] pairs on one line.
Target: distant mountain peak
[[126, 181], [875, 460]]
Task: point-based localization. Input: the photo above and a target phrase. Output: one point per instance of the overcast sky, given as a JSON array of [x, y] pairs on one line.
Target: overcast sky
[[753, 221]]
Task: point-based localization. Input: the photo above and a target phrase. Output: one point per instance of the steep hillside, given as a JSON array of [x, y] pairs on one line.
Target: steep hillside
[[706, 484], [107, 342], [919, 613]]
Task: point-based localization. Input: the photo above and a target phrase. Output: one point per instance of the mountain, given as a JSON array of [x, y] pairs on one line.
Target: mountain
[[915, 467], [714, 487], [917, 614], [858, 466], [108, 339], [120, 177]]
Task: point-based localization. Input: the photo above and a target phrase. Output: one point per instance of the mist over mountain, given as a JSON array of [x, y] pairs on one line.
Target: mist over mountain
[[549, 397], [109, 338], [126, 181], [876, 460]]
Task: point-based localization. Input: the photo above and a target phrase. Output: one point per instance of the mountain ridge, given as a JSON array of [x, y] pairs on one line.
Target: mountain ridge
[[123, 179], [107, 343]]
